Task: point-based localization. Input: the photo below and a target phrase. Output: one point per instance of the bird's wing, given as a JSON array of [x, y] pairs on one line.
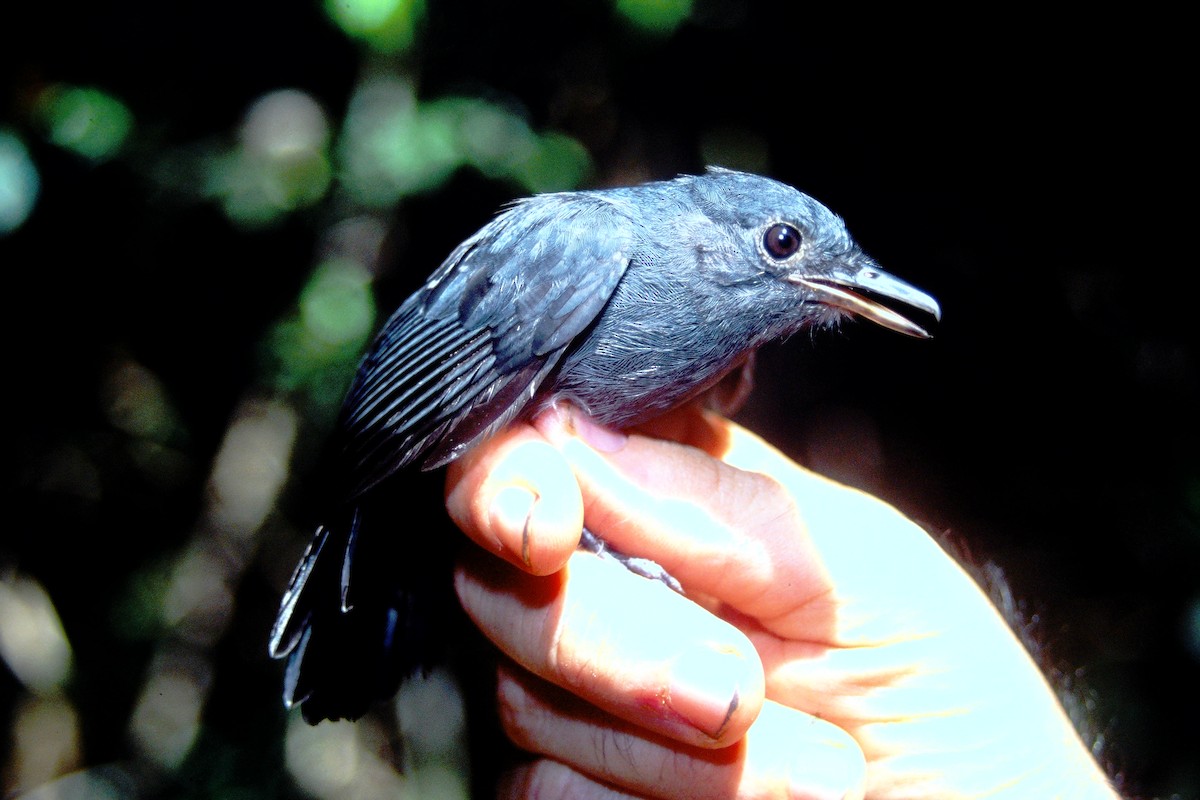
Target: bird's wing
[[465, 353]]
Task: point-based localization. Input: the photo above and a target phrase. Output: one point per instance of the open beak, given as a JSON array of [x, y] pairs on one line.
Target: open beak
[[874, 294]]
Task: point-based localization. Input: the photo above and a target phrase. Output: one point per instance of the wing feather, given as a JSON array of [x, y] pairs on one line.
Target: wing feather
[[466, 353]]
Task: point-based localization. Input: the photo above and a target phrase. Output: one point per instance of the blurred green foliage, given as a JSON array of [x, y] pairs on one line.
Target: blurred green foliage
[[85, 120], [659, 17], [313, 352], [387, 26]]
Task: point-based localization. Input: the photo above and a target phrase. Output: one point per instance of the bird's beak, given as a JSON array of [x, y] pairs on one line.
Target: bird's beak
[[871, 293]]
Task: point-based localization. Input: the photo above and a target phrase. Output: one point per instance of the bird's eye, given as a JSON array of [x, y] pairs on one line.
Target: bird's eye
[[782, 241]]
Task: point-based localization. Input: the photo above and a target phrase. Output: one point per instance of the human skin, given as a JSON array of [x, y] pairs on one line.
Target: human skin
[[826, 646]]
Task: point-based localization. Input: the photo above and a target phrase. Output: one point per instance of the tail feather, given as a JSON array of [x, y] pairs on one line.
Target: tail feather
[[290, 625], [358, 614]]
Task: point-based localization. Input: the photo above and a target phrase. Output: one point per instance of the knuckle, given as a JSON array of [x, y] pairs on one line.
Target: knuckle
[[521, 717]]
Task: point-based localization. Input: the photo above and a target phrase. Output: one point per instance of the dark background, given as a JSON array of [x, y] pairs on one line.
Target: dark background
[[1029, 174]]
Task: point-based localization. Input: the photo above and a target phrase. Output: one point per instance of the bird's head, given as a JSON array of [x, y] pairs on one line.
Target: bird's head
[[792, 239]]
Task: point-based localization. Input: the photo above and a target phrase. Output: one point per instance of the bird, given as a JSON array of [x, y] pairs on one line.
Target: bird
[[625, 302]]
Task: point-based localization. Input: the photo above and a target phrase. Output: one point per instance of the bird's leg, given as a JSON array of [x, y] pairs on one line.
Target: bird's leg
[[591, 543]]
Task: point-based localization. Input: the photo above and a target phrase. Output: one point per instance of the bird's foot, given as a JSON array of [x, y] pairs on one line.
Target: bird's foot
[[645, 567]]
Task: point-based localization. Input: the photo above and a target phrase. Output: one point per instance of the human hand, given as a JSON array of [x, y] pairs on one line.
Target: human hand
[[827, 647]]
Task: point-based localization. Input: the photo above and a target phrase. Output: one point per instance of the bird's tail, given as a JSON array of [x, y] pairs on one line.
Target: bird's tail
[[359, 612]]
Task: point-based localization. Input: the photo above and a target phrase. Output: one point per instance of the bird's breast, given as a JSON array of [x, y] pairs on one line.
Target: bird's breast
[[626, 377]]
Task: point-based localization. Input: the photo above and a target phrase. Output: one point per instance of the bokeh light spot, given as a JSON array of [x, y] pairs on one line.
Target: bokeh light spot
[[166, 719], [392, 147], [281, 163], [285, 123], [395, 146], [107, 782], [45, 740], [336, 305], [323, 759], [86, 121], [314, 350], [388, 26], [252, 466], [198, 601], [136, 402], [558, 163], [19, 182], [32, 641], [336, 760], [432, 717], [493, 139], [659, 17]]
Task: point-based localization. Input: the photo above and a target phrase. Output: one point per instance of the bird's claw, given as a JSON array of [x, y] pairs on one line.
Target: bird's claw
[[645, 567]]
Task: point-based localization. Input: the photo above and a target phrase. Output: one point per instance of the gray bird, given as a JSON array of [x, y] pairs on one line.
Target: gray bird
[[626, 302]]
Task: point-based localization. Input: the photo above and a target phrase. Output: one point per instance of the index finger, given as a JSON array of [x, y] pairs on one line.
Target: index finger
[[516, 497], [738, 521]]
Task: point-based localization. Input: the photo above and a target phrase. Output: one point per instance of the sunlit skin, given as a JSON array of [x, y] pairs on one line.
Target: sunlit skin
[[826, 646]]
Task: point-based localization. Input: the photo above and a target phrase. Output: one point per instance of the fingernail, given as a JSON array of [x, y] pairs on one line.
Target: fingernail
[[571, 419], [512, 510], [705, 687]]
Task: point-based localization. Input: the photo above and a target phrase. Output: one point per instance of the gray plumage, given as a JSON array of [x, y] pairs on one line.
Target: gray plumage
[[626, 302]]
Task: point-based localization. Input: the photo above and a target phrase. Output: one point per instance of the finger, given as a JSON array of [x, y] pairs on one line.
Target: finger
[[722, 531], [516, 496], [626, 644], [692, 425], [772, 540], [551, 780], [785, 754]]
